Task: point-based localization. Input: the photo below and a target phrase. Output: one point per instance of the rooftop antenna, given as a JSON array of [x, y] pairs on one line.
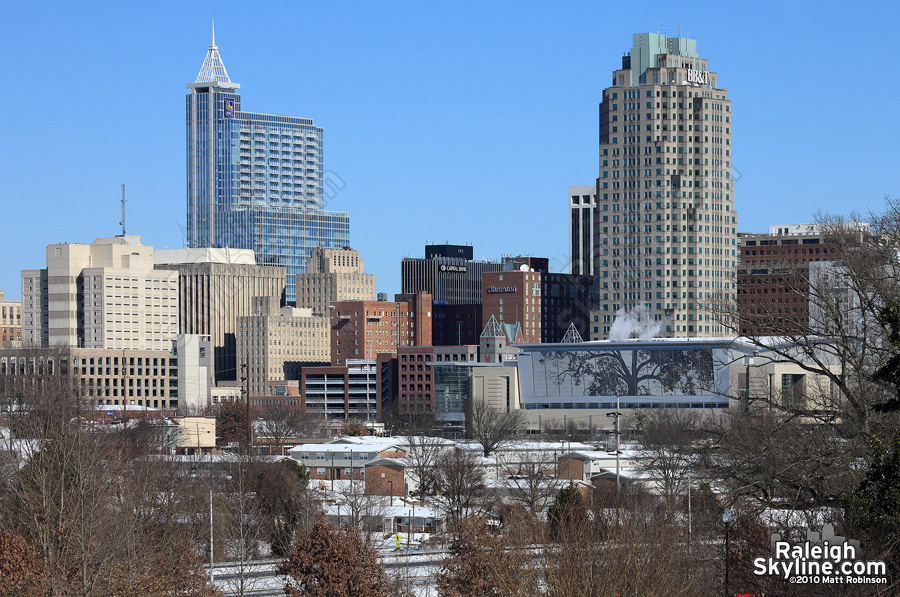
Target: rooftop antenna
[[213, 33], [122, 223]]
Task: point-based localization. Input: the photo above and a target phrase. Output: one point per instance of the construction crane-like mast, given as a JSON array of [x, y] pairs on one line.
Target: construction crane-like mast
[[122, 223]]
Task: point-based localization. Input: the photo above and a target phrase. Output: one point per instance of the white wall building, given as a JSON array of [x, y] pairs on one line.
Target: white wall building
[[105, 295]]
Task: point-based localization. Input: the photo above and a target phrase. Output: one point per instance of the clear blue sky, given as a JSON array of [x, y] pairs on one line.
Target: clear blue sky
[[450, 121]]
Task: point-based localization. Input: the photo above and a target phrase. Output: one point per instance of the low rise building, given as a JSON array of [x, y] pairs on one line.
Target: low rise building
[[10, 323]]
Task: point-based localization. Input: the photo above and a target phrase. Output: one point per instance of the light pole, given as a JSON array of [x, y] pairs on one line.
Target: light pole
[[614, 420], [748, 362], [391, 483], [727, 517]]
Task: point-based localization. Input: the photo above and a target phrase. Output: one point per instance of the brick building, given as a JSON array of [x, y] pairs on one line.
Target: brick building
[[773, 276], [363, 329]]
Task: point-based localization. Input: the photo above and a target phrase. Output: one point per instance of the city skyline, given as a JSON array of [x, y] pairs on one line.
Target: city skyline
[[484, 117]]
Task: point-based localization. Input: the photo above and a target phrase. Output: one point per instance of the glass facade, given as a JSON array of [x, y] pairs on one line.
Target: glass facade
[[255, 181], [451, 389]]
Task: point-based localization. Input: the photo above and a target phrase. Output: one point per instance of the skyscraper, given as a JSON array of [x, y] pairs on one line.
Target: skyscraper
[[665, 243], [255, 181]]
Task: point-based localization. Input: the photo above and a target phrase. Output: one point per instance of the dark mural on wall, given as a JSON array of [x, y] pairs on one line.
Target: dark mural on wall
[[625, 373]]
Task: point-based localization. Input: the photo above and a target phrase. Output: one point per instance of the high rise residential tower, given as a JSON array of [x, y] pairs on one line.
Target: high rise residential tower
[[665, 238], [254, 181]]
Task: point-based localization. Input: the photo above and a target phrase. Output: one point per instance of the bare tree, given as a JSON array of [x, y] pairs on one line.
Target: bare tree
[[277, 424], [82, 498], [241, 522], [534, 480], [461, 485], [365, 512], [492, 428], [667, 454]]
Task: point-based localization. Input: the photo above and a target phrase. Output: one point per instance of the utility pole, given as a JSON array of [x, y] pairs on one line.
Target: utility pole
[[245, 387], [211, 559]]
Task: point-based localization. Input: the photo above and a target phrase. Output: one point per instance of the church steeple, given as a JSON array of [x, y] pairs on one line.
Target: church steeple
[[213, 69]]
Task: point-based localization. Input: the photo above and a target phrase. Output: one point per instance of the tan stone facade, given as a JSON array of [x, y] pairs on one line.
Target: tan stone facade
[[274, 342], [333, 275], [10, 323], [211, 297]]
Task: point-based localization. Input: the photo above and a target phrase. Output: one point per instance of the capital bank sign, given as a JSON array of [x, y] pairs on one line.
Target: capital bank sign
[[459, 269], [700, 77]]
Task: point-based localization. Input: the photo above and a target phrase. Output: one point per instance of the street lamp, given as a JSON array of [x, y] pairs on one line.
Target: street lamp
[[727, 517], [748, 362], [391, 483], [614, 419]]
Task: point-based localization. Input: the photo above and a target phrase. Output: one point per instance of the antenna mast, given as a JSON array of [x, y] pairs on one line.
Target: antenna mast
[[122, 223]]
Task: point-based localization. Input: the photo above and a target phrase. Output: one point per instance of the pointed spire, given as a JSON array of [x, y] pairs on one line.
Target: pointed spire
[[213, 69], [493, 329], [572, 336]]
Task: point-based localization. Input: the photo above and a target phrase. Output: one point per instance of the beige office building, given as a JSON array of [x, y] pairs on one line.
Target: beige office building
[[275, 341], [105, 295], [10, 323], [216, 287], [665, 242], [333, 275]]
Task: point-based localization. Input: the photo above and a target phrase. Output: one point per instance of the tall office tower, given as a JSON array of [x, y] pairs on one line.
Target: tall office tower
[[582, 203], [448, 273], [102, 295], [255, 181], [665, 238], [215, 288], [333, 275]]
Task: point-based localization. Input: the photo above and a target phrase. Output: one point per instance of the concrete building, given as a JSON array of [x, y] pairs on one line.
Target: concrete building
[[274, 342], [105, 295], [177, 378], [333, 275], [348, 392], [363, 329], [10, 323], [255, 181], [458, 385], [215, 287], [665, 236], [582, 228]]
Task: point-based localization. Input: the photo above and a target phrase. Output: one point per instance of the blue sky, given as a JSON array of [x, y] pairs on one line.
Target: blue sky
[[459, 121]]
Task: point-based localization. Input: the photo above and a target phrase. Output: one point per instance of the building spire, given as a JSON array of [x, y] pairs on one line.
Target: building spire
[[213, 69]]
